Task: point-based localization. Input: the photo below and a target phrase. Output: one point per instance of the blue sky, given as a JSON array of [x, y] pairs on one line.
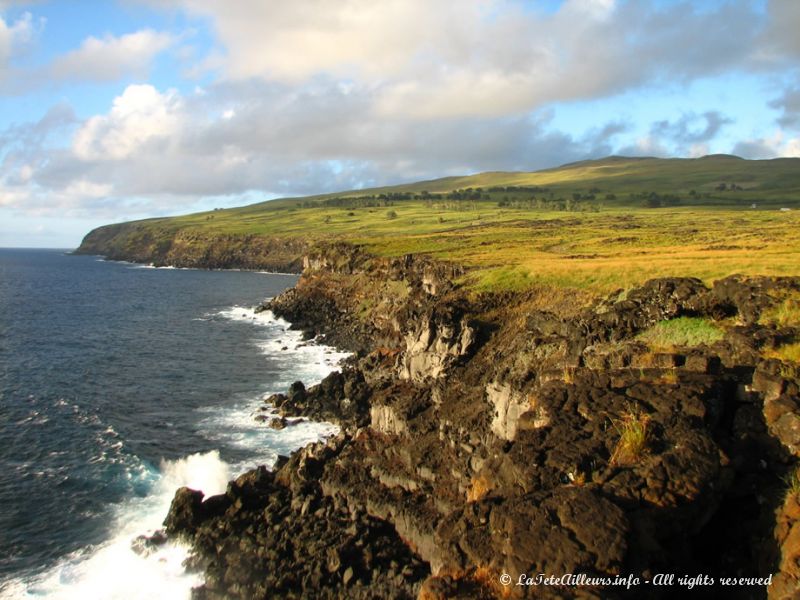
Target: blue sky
[[111, 111]]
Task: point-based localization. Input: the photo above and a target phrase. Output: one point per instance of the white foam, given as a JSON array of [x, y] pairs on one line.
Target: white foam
[[237, 427], [112, 570], [292, 359], [298, 360], [166, 267]]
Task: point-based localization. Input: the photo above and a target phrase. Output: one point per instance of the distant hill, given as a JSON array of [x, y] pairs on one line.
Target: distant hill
[[705, 217], [775, 179]]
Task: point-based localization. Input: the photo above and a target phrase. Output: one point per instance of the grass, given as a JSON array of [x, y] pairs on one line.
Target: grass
[[634, 438], [533, 239], [785, 313], [681, 332], [479, 488], [669, 377], [792, 481], [786, 352]]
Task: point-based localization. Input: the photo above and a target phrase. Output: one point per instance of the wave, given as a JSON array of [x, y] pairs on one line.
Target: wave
[[293, 358], [113, 570]]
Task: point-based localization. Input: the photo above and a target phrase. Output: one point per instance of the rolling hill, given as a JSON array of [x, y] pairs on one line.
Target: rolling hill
[[597, 224]]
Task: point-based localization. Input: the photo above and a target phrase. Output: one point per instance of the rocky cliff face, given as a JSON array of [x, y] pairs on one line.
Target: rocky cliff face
[[187, 248], [486, 436]]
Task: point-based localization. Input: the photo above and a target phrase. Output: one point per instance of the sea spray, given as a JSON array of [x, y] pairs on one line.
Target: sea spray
[[145, 382], [112, 570]]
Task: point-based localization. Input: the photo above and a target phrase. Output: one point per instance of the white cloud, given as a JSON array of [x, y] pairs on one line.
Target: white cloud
[[780, 41], [441, 59], [110, 58], [12, 36], [139, 116], [168, 150], [774, 146], [320, 96]]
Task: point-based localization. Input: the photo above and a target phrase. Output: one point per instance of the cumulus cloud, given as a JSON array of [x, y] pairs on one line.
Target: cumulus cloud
[[320, 96], [140, 116], [691, 128], [163, 150], [12, 37], [779, 41], [774, 146], [789, 105], [110, 58], [435, 58]]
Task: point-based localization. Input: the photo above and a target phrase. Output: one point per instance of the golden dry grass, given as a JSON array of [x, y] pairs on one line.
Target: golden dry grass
[[479, 488], [634, 438], [597, 247]]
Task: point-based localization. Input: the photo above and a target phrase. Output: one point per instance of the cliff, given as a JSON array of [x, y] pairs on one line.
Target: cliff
[[545, 432], [168, 245]]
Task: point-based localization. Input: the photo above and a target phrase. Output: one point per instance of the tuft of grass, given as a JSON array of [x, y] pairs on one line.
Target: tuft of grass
[[786, 352], [479, 488], [634, 438], [792, 481], [669, 377], [783, 314], [683, 331]]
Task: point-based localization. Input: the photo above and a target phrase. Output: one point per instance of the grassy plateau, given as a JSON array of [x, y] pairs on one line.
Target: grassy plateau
[[596, 225]]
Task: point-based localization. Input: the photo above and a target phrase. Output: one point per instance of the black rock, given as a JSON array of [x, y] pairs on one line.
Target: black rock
[[185, 512]]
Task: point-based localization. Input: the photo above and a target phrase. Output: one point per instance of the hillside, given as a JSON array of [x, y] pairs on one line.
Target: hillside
[[595, 225], [611, 409]]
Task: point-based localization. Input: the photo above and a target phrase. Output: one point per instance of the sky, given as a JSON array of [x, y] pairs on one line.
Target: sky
[[122, 109]]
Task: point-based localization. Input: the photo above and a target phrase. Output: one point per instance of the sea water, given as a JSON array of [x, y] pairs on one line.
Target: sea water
[[118, 384]]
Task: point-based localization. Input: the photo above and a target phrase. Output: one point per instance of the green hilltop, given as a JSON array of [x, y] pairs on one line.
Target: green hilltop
[[596, 225]]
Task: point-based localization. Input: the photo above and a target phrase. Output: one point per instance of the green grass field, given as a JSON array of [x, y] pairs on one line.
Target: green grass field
[[598, 225]]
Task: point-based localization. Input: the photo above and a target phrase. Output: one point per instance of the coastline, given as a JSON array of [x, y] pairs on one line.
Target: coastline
[[445, 403], [135, 485]]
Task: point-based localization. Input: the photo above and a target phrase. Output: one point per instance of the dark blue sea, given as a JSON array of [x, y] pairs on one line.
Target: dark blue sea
[[118, 384]]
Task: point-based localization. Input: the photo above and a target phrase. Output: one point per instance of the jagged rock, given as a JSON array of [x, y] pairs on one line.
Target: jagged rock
[[782, 415], [434, 346], [386, 420], [278, 423], [185, 512], [144, 545], [566, 530], [509, 406], [479, 437]]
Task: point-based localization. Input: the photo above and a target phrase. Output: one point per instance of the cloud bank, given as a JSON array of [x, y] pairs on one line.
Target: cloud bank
[[313, 96]]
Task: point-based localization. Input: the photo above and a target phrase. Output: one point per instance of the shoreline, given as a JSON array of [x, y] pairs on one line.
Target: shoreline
[[75, 571], [443, 406]]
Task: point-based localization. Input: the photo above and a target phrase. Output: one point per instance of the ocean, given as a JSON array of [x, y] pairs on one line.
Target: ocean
[[118, 384]]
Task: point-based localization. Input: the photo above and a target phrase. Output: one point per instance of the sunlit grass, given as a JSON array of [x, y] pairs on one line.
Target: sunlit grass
[[507, 248], [634, 438], [785, 313], [683, 331], [787, 352]]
